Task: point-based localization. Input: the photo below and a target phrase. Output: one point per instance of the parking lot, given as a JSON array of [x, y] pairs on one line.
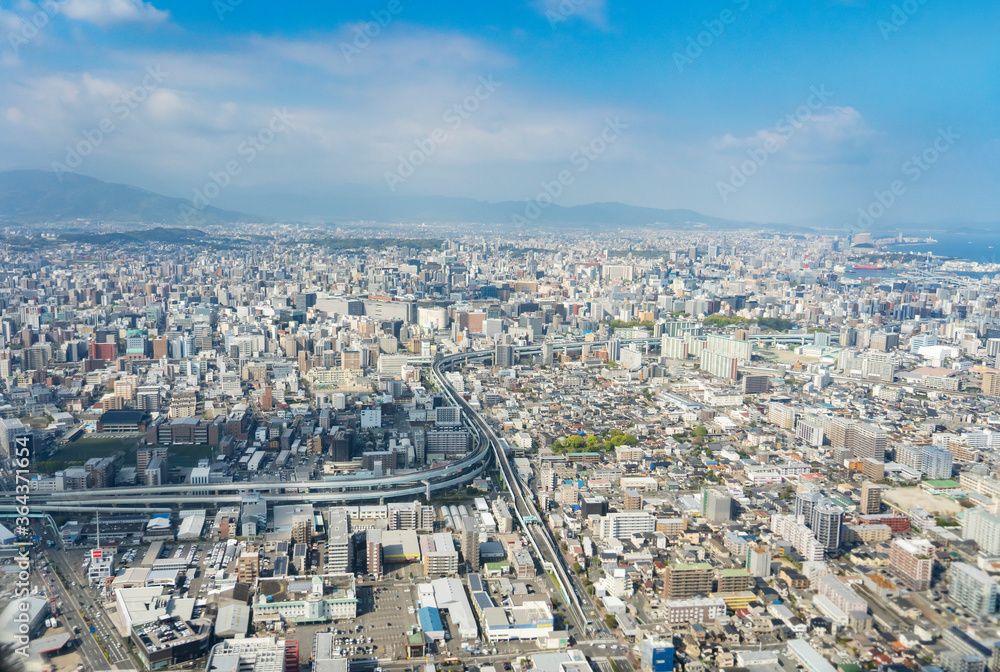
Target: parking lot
[[386, 612]]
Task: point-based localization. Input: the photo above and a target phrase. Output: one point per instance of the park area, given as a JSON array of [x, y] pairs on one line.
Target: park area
[[86, 447]]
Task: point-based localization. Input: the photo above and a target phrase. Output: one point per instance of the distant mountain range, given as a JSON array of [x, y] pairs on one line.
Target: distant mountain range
[[36, 196], [32, 197]]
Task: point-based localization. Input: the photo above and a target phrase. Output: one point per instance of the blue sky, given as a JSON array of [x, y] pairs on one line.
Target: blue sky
[[692, 116]]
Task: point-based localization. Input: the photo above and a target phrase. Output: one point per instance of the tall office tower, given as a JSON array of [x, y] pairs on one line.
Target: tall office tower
[[716, 505], [827, 521]]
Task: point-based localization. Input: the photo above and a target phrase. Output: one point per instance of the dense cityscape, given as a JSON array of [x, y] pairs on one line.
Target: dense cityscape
[[555, 452], [532, 336]]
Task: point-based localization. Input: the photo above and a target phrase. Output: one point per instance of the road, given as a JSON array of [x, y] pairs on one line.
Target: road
[[88, 650], [74, 612]]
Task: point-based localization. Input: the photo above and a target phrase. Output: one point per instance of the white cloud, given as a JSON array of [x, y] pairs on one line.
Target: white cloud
[[352, 120], [106, 12], [831, 134]]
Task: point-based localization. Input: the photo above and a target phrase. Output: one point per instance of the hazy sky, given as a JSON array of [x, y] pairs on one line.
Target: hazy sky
[[750, 109]]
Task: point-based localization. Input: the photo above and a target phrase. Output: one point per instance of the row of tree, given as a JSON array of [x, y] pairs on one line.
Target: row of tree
[[594, 443]]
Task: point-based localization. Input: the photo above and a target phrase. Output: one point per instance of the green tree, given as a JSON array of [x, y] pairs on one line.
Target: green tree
[[577, 568], [699, 431], [611, 621]]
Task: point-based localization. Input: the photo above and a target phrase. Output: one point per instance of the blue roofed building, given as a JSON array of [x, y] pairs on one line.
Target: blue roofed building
[[430, 623]]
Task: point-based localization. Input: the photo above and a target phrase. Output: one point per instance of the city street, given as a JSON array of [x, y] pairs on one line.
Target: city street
[[80, 609]]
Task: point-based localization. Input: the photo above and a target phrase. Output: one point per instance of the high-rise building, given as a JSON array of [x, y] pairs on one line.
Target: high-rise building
[[614, 349], [147, 398], [759, 561], [781, 416], [867, 441], [101, 470], [683, 581], [719, 365], [871, 498], [756, 384], [716, 505], [470, 543], [633, 500], [828, 518], [673, 347], [504, 356], [974, 589], [911, 561], [624, 524], [373, 551], [547, 354], [155, 472], [337, 559], [248, 567], [733, 580], [982, 527], [991, 384], [873, 469], [805, 502], [10, 430], [937, 463]]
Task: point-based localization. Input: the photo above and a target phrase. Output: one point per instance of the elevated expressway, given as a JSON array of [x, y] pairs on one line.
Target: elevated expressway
[[340, 489]]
